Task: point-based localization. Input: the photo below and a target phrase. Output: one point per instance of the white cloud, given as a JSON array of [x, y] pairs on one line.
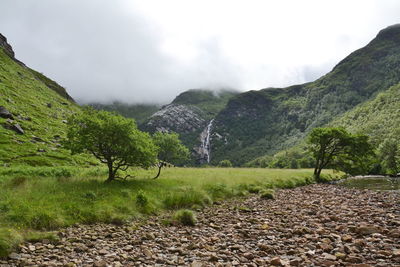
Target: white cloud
[[136, 50]]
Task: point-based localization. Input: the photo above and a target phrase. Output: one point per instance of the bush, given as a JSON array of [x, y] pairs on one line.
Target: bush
[[225, 163], [267, 194], [185, 217], [141, 199]]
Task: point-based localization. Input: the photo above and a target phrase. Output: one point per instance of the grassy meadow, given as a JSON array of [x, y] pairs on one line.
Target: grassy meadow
[[34, 201]]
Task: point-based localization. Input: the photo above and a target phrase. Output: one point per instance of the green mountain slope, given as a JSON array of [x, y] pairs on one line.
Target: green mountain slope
[[263, 122], [379, 117], [40, 107]]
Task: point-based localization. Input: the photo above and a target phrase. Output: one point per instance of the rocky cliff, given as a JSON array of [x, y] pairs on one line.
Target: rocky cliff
[[190, 115]]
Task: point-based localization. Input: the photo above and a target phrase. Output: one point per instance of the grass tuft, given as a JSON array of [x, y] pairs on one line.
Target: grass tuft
[[9, 239], [267, 194], [185, 217]]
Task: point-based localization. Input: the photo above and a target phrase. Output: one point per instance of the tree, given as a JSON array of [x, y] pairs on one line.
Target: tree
[[112, 139], [170, 150], [338, 148], [389, 154]]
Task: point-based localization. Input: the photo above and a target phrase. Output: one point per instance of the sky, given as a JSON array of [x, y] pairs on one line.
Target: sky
[[148, 51]]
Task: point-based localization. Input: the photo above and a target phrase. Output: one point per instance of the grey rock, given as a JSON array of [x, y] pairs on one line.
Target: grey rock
[[4, 113]]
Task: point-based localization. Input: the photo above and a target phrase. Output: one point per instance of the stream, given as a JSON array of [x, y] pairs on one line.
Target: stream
[[381, 183]]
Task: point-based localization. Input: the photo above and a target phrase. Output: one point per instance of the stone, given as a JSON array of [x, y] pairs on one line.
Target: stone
[[14, 256], [147, 253], [197, 264], [329, 256], [367, 229], [14, 127], [100, 264], [103, 252], [276, 261], [4, 113], [354, 259], [295, 262], [347, 238], [394, 233]]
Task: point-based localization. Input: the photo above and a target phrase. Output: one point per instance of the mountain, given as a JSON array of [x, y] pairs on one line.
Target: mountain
[[33, 112], [263, 122], [139, 112], [190, 114]]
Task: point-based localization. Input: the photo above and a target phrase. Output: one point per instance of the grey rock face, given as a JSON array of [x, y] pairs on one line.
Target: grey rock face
[[7, 47], [177, 118]]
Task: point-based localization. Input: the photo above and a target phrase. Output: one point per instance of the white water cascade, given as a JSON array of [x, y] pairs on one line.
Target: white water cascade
[[205, 149]]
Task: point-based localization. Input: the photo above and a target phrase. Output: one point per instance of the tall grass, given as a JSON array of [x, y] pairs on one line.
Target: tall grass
[[49, 198]]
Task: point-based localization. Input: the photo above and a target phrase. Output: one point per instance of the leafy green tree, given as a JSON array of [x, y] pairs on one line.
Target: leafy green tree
[[170, 150], [338, 148], [112, 139], [389, 154]]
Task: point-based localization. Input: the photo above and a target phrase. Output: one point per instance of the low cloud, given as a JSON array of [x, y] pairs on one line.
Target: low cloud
[[150, 51]]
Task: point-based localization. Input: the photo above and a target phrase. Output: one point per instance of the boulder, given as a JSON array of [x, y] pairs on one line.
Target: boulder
[[4, 113], [14, 127]]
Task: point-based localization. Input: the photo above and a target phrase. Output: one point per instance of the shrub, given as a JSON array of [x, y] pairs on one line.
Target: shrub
[[185, 217], [267, 194], [141, 199], [225, 163]]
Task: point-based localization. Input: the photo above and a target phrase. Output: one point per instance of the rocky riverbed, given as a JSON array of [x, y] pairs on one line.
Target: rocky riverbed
[[316, 225]]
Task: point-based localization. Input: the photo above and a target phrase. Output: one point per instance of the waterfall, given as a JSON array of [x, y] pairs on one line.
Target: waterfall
[[205, 148]]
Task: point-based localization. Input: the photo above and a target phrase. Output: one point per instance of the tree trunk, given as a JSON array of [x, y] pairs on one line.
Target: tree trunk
[[160, 165], [111, 173]]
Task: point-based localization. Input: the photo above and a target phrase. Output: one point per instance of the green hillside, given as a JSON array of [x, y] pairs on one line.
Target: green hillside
[[379, 117], [40, 106], [263, 122]]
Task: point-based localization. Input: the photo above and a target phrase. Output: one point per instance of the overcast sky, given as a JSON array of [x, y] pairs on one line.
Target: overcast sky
[[151, 50]]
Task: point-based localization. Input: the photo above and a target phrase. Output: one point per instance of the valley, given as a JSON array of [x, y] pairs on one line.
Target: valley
[[245, 195]]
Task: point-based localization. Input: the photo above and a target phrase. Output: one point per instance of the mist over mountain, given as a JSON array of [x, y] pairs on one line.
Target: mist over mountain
[[150, 51]]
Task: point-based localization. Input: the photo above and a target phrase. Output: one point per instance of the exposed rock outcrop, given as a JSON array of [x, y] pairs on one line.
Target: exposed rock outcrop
[[7, 47], [177, 118], [4, 113], [11, 125]]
